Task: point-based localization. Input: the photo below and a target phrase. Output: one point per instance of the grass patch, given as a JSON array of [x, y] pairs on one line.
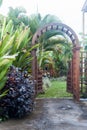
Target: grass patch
[[57, 90]]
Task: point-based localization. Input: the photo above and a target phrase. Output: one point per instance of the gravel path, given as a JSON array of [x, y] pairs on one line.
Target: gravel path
[[52, 114]]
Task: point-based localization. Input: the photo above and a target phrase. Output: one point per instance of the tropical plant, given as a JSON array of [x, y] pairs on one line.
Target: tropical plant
[[59, 51], [18, 16], [20, 43], [11, 45], [15, 86], [20, 98], [6, 60], [45, 57], [36, 21], [61, 57]]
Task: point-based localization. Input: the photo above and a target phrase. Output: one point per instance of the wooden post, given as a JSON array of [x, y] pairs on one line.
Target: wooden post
[[34, 69], [76, 73]]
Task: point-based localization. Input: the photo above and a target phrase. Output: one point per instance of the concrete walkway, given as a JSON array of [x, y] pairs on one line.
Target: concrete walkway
[[52, 114]]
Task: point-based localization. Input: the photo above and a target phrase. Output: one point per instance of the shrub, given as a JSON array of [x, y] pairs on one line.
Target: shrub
[[20, 98]]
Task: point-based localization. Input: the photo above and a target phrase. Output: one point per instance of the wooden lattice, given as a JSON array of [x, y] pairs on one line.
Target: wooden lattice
[[83, 73], [69, 78], [73, 84]]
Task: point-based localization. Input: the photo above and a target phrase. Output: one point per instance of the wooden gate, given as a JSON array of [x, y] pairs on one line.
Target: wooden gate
[[73, 74]]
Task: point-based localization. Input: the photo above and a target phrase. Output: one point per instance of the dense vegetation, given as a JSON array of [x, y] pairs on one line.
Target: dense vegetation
[[20, 97]]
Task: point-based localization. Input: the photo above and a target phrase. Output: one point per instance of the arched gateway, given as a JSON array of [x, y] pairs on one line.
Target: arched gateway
[[73, 75]]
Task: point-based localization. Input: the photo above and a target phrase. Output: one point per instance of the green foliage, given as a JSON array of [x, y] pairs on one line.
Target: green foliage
[[14, 50], [83, 41], [45, 58], [11, 46], [36, 21], [5, 62], [51, 41], [7, 28], [1, 1], [6, 59], [18, 16], [55, 51], [17, 42]]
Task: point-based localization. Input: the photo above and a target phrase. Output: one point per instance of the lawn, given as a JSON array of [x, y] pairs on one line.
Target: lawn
[[57, 90]]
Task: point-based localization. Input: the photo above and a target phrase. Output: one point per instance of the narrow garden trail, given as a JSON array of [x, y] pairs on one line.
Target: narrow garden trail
[[52, 114]]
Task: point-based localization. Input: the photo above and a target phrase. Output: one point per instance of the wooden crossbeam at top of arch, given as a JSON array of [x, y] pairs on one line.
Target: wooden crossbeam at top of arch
[[56, 26]]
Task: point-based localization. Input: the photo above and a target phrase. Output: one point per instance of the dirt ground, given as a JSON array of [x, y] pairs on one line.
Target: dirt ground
[[52, 114]]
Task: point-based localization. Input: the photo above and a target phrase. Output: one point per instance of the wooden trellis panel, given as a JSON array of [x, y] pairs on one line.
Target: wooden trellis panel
[[74, 74], [73, 84], [39, 82], [69, 78], [83, 72]]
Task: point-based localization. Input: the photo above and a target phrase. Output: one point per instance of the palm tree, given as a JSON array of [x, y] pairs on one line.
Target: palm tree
[[36, 21], [49, 41], [61, 51], [18, 16]]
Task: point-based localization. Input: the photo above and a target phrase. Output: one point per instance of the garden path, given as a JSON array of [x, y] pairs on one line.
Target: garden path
[[52, 114]]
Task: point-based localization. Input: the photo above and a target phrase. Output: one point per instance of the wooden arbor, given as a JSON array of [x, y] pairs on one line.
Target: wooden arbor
[[73, 73]]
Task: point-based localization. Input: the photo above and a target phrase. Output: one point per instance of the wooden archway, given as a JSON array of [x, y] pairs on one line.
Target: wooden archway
[[74, 75]]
